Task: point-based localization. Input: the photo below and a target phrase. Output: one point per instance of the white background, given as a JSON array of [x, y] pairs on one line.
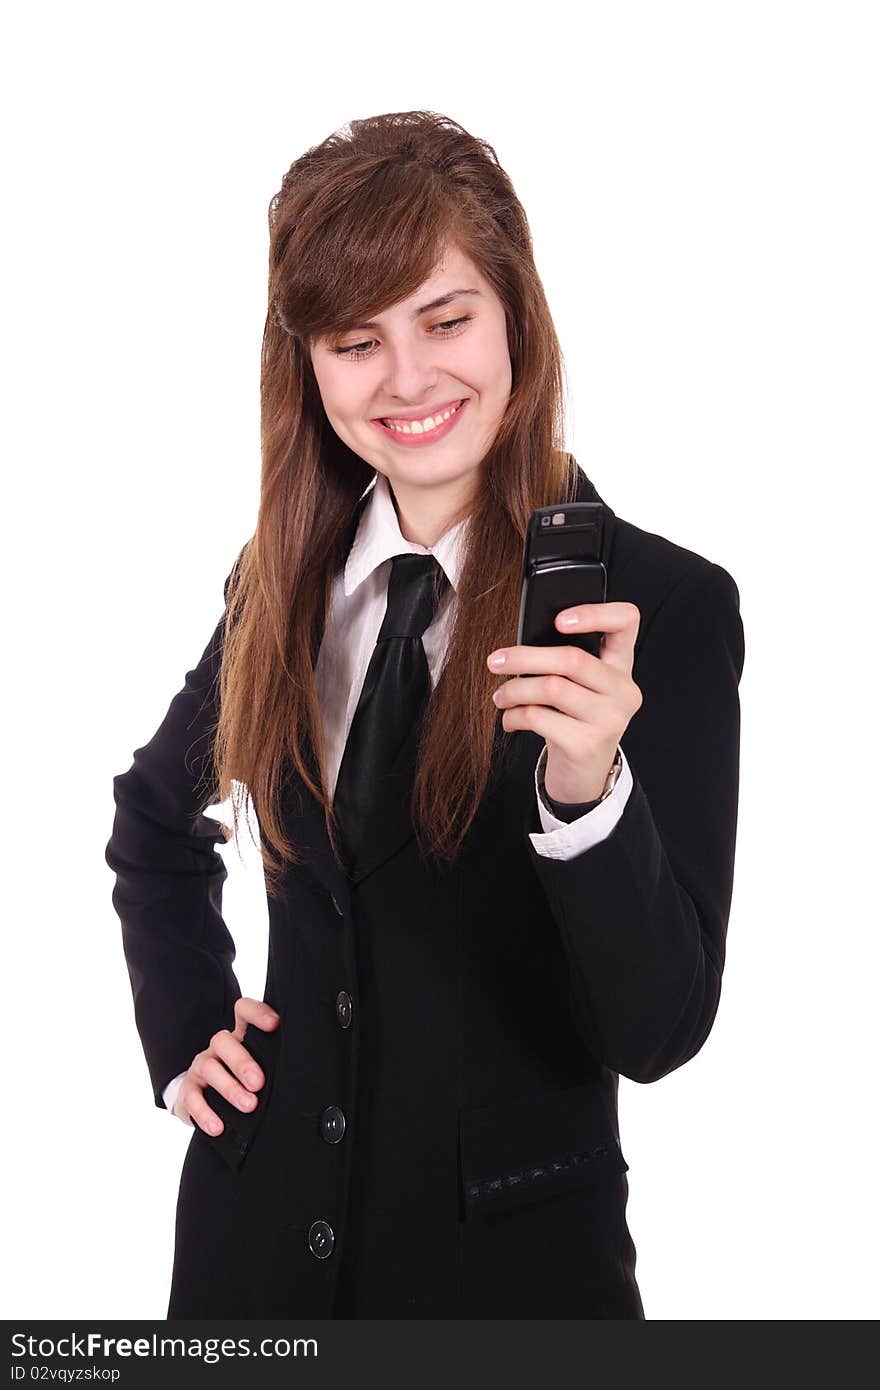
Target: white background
[[701, 182]]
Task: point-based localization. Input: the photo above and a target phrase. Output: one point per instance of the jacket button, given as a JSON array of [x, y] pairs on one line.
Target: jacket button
[[321, 1239], [332, 1124], [343, 1008], [336, 905]]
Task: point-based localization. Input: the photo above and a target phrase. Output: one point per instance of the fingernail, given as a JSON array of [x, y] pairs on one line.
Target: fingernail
[[248, 1100], [569, 619], [497, 659], [251, 1077], [268, 1018], [213, 1126]]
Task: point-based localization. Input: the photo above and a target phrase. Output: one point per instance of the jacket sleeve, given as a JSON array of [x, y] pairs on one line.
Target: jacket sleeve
[[169, 881], [643, 913]]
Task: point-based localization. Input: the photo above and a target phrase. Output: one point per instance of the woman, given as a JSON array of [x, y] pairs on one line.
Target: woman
[[515, 885]]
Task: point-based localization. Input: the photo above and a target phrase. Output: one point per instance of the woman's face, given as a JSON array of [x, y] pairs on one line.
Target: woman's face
[[410, 366]]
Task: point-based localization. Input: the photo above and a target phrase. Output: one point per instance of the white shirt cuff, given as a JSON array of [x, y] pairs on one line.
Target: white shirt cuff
[[169, 1095], [565, 839]]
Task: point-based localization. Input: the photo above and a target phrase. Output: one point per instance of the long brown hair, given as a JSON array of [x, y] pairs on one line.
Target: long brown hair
[[359, 223]]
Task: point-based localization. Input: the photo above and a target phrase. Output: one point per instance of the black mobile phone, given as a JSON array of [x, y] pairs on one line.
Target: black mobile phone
[[561, 569]]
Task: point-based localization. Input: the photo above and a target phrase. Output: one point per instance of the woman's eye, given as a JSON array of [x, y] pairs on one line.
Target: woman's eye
[[453, 323], [354, 351]]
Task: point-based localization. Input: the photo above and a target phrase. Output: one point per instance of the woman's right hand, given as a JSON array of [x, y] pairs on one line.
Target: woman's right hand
[[226, 1065]]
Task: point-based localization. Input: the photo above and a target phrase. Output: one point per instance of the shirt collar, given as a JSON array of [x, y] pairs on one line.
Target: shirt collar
[[378, 538]]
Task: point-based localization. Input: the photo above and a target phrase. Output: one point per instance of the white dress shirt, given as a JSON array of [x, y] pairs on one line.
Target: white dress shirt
[[357, 608]]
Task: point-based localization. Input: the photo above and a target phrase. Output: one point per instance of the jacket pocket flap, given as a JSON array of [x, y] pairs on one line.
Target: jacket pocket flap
[[240, 1126], [518, 1151]]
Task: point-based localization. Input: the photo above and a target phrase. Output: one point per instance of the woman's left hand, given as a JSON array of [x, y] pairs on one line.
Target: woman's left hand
[[578, 703]]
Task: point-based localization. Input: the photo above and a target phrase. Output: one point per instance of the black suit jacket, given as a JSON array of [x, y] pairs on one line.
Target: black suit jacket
[[438, 1133]]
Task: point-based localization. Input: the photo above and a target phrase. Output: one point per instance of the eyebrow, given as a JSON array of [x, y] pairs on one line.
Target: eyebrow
[[424, 309]]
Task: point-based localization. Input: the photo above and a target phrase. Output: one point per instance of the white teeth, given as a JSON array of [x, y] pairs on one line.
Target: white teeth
[[421, 426]]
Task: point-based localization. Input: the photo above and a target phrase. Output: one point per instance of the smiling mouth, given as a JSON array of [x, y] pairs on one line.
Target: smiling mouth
[[427, 425]]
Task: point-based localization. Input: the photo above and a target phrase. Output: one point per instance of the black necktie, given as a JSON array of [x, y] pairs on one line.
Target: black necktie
[[393, 696]]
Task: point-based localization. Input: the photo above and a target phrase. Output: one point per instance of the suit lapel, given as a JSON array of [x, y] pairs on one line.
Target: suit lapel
[[390, 827]]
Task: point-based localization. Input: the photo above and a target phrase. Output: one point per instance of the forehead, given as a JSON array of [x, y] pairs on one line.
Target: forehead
[[453, 274], [452, 262]]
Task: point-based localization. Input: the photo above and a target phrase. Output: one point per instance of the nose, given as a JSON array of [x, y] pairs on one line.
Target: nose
[[411, 371]]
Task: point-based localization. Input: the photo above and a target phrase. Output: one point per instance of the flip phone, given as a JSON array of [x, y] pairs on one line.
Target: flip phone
[[561, 569]]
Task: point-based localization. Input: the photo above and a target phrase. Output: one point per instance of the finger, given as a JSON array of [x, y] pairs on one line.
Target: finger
[[619, 622], [564, 733], [576, 665], [570, 661], [239, 1074], [554, 692], [596, 617], [255, 1011], [193, 1102]]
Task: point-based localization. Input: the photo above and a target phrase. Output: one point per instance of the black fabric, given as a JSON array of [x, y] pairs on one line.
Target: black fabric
[[569, 811], [393, 696]]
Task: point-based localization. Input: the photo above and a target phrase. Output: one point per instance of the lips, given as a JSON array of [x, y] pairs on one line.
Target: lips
[[407, 417], [421, 439]]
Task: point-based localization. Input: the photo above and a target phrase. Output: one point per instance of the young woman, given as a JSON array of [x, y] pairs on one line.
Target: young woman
[[498, 876]]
